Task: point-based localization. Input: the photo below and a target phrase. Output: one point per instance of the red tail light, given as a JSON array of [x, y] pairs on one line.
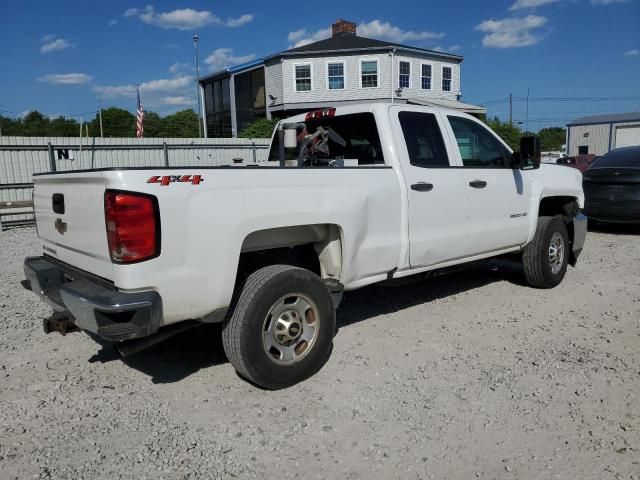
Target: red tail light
[[133, 229]]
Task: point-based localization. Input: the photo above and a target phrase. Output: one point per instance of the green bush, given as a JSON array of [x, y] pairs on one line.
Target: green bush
[[262, 128]]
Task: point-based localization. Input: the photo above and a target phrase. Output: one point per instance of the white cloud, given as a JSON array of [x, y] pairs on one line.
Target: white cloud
[[50, 44], [66, 78], [301, 37], [178, 67], [521, 4], [451, 49], [176, 101], [511, 32], [165, 86], [632, 53], [386, 31], [221, 58], [372, 29], [184, 18], [113, 22], [607, 2], [241, 20]]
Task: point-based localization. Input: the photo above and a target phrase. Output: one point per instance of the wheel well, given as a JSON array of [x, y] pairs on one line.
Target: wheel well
[[317, 248], [566, 206], [561, 205]]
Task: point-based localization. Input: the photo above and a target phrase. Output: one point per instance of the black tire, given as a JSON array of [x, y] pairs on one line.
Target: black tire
[[535, 258], [242, 334]]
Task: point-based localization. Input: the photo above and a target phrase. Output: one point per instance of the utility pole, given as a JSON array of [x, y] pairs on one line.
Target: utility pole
[[195, 44], [510, 109], [526, 125], [100, 115]]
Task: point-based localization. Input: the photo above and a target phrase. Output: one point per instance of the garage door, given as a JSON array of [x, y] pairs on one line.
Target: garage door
[[627, 136]]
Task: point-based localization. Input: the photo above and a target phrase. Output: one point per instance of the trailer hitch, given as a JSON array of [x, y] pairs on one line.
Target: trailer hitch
[[60, 322]]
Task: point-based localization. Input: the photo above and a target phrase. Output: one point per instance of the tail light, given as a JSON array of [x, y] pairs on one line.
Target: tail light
[[133, 227]]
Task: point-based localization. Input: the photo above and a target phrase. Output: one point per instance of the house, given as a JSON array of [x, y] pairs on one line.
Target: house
[[598, 134], [339, 70]]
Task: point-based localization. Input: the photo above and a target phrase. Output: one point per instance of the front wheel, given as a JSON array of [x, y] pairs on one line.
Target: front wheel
[[545, 259], [281, 330]]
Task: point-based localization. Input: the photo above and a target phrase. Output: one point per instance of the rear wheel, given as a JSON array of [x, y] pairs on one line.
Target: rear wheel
[[281, 330], [545, 259]]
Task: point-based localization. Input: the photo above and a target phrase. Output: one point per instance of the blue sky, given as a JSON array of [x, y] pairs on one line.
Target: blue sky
[[62, 57]]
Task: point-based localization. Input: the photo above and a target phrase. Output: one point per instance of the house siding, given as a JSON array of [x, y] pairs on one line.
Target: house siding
[[273, 80], [415, 89], [280, 79]]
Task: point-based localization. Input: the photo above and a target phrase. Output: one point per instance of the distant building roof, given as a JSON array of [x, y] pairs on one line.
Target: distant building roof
[[347, 42], [343, 39], [243, 67], [606, 118]]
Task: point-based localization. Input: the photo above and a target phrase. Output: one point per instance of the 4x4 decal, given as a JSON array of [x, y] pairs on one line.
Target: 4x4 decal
[[167, 179]]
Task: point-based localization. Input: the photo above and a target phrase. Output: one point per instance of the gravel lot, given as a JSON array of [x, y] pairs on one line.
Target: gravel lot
[[472, 375]]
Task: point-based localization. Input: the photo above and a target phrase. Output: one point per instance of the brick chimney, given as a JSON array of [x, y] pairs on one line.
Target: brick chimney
[[343, 27]]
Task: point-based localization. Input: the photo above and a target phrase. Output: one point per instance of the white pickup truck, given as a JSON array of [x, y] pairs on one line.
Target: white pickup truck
[[350, 196]]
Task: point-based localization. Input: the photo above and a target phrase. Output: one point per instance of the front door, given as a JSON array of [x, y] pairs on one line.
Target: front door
[[498, 195], [437, 204]]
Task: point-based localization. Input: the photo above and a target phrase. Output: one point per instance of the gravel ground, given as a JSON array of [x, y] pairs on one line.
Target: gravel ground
[[473, 375]]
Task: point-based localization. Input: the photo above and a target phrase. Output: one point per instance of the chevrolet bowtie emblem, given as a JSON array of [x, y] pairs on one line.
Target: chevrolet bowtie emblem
[[61, 226]]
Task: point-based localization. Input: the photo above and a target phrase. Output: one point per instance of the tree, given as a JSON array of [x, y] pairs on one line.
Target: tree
[[153, 125], [63, 127], [116, 122], [262, 128], [35, 124], [552, 138], [511, 134], [10, 127], [182, 124]]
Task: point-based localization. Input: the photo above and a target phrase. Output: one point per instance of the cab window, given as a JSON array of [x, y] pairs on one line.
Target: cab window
[[423, 139], [479, 148]]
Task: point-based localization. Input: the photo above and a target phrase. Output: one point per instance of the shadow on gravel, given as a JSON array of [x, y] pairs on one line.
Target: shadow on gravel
[[614, 228], [368, 302], [174, 359], [186, 353]]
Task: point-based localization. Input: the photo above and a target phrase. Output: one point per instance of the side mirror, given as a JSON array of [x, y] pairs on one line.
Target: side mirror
[[529, 153]]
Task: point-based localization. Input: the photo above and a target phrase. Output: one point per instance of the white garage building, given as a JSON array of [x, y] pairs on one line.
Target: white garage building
[[598, 134]]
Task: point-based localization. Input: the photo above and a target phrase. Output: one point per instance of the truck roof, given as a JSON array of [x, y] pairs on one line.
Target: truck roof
[[373, 107]]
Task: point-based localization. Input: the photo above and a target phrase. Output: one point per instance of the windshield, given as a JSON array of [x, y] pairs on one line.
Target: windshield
[[346, 140], [619, 158]]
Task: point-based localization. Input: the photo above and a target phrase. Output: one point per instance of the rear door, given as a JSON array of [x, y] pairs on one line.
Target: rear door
[[436, 191], [69, 211], [498, 196]]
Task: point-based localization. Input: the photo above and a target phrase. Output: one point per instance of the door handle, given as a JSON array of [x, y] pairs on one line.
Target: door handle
[[422, 187], [478, 184]]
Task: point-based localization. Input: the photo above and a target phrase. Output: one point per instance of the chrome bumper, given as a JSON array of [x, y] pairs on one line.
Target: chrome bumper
[[94, 305], [579, 237]]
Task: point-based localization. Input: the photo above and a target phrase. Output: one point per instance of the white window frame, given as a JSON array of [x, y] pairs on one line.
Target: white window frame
[[442, 79], [373, 59], [431, 77], [295, 85], [410, 73], [344, 74]]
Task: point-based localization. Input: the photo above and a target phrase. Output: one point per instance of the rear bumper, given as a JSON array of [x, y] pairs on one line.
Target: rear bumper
[[579, 237], [94, 305]]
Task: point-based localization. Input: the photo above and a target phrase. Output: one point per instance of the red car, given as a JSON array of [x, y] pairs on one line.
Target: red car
[[581, 162]]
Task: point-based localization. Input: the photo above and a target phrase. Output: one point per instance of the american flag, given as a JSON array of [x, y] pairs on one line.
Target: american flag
[[139, 117]]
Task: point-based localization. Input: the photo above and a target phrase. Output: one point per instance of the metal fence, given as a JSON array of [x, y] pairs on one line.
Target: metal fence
[[21, 157]]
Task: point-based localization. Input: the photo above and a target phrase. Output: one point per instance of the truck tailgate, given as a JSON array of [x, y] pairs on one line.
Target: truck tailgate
[[69, 211]]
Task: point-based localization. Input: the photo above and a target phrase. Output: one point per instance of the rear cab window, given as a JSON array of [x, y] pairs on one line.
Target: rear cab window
[[350, 140], [423, 139]]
